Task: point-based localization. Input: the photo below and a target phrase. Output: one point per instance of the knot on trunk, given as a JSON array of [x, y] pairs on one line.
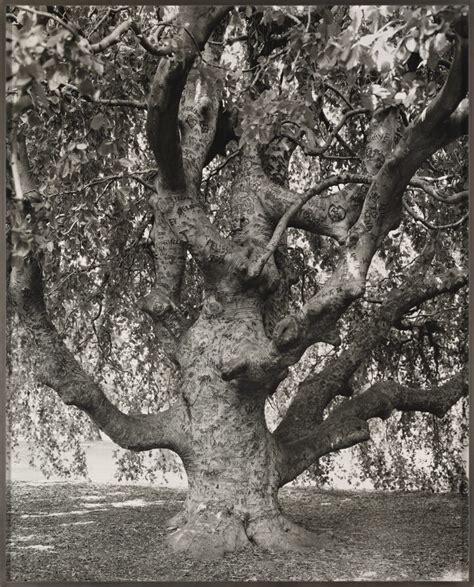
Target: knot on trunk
[[156, 304], [253, 373], [287, 332]]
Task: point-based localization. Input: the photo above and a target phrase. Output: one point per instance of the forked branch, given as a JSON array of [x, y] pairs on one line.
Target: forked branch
[[347, 424], [318, 390]]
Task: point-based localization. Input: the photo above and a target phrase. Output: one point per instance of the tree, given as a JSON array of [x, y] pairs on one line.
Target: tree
[[319, 142]]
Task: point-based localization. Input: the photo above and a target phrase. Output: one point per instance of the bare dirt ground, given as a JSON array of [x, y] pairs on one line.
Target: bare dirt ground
[[97, 532]]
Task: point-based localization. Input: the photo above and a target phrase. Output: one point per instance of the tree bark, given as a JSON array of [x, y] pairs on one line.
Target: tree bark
[[231, 457]]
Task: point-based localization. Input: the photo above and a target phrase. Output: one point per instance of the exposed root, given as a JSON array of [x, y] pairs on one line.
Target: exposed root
[[177, 520], [277, 533], [210, 535]]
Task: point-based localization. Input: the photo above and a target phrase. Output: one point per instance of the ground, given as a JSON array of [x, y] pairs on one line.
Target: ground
[[98, 532]]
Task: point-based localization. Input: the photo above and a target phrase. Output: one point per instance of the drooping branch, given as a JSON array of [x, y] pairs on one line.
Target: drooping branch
[[316, 391], [347, 424], [55, 366]]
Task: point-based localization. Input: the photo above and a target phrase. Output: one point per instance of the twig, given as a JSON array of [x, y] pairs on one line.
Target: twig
[[108, 102], [339, 139], [339, 93], [456, 198], [430, 226], [51, 16], [372, 300], [230, 40], [221, 165], [272, 244], [106, 15], [117, 177], [324, 147]]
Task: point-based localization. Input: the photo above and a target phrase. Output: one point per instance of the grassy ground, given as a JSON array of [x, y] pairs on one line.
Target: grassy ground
[[87, 532]]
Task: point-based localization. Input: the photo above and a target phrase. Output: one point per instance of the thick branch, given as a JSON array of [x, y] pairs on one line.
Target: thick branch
[[114, 37], [316, 321], [393, 165], [56, 367], [162, 302], [296, 207], [347, 424], [167, 88], [305, 410], [456, 85], [456, 198]]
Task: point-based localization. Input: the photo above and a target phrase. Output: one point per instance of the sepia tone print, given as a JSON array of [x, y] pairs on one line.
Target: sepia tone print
[[237, 248]]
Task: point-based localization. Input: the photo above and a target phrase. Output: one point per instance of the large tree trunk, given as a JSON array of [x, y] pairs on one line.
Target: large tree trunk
[[231, 459]]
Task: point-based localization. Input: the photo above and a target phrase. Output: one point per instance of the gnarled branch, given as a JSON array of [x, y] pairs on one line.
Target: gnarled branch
[[318, 390], [347, 424], [55, 366]]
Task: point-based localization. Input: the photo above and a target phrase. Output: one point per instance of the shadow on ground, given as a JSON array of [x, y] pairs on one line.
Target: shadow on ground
[[94, 532]]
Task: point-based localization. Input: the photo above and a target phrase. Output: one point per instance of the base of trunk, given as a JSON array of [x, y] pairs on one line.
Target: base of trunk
[[210, 535]]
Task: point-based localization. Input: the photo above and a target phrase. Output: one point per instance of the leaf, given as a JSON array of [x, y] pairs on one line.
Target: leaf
[[86, 88], [124, 162], [440, 43], [34, 119], [21, 248], [106, 148], [38, 94], [98, 122], [58, 77], [411, 44], [31, 39]]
